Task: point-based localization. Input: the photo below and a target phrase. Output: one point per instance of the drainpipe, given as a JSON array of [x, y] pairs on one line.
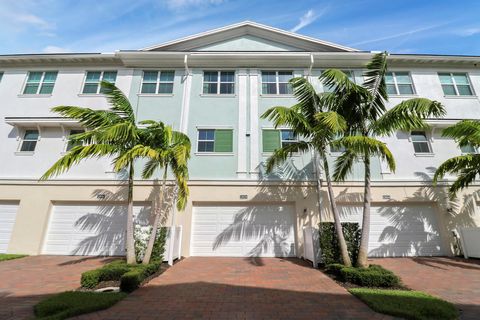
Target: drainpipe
[[311, 65], [185, 63]]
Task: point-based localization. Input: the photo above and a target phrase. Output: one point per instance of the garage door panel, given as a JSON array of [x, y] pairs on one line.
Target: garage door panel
[[8, 214], [243, 231], [406, 230], [88, 229]]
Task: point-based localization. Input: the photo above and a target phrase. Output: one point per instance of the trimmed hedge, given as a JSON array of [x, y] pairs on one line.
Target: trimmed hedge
[[130, 276], [330, 250], [137, 274], [373, 276], [109, 272]]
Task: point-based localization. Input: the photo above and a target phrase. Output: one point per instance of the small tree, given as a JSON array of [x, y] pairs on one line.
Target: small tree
[[367, 118], [110, 133], [318, 129]]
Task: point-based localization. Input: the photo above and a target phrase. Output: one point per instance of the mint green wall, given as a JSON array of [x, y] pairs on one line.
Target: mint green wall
[[215, 111], [166, 108], [248, 43], [220, 112]]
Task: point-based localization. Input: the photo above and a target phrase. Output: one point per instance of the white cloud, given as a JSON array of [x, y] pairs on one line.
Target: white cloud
[[399, 35], [468, 32], [33, 20], [305, 20], [180, 4], [55, 49]]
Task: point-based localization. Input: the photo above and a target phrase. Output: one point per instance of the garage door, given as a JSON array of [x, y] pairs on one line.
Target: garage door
[[8, 212], [407, 230], [230, 231], [88, 229]]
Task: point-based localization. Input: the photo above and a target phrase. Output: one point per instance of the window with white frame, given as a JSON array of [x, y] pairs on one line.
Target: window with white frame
[[468, 149], [420, 142], [277, 82], [287, 137], [399, 83], [218, 82], [40, 82], [70, 143], [1, 76], [93, 79], [455, 84], [29, 141], [215, 140], [157, 82], [206, 140]]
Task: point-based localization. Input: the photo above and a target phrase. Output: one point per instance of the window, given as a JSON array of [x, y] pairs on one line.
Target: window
[[276, 82], [420, 142], [273, 139], [1, 76], [455, 84], [158, 82], [399, 83], [218, 82], [29, 141], [468, 149], [215, 140], [93, 79], [70, 143], [39, 82], [350, 76]]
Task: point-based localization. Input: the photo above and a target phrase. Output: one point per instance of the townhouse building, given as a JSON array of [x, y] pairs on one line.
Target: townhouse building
[[214, 86]]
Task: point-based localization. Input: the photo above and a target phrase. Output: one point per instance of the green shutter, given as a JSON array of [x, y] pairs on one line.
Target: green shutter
[[224, 140], [271, 140]]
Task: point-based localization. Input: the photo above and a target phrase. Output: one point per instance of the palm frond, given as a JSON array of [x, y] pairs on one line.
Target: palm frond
[[291, 117], [78, 154], [344, 165], [331, 121], [408, 115], [118, 100], [87, 117], [305, 93], [280, 155], [465, 132]]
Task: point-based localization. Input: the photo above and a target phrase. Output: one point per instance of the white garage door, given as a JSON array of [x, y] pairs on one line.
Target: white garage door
[[88, 229], [395, 231], [261, 231], [8, 212]]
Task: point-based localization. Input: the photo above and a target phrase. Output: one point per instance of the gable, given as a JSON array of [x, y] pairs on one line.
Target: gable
[[247, 43], [249, 36]]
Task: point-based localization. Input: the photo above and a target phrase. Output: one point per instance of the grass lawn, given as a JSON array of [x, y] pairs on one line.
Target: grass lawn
[[7, 256], [407, 304], [72, 303]]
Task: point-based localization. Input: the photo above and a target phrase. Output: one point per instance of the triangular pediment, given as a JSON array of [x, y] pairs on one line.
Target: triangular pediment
[[249, 36], [247, 43]]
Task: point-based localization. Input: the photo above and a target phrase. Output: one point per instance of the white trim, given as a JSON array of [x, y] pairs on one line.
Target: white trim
[[157, 82], [98, 93], [242, 124], [254, 124], [187, 86], [249, 24]]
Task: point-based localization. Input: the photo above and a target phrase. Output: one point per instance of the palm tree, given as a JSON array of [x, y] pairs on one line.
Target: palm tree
[[166, 149], [467, 166], [318, 129], [109, 133], [364, 109]]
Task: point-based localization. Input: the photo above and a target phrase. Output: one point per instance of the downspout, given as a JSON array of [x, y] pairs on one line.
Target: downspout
[[185, 63]]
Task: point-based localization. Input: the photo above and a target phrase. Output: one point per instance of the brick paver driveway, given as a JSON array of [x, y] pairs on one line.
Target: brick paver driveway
[[23, 282], [455, 280], [235, 288]]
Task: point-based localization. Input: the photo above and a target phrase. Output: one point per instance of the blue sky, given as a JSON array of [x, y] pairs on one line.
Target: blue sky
[[398, 26]]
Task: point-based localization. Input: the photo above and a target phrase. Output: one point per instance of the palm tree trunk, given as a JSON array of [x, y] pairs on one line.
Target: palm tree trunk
[[156, 221], [363, 251], [131, 259], [336, 217]]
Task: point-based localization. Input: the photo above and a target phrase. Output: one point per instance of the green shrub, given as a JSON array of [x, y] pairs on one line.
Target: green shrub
[[334, 268], [68, 304], [373, 276], [329, 247], [137, 274], [142, 234], [109, 272]]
